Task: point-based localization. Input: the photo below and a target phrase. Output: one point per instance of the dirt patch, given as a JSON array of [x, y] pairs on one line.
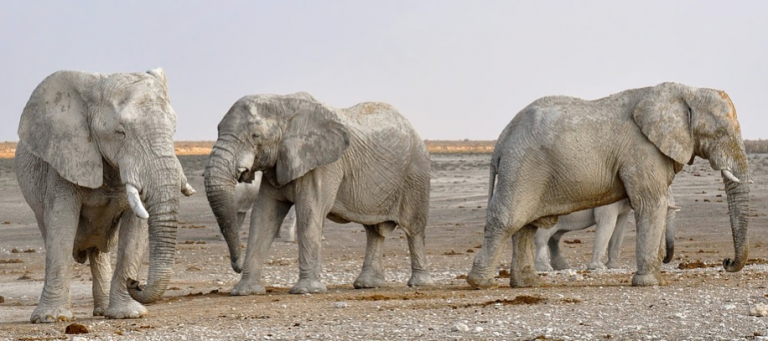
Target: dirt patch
[[697, 264], [518, 300]]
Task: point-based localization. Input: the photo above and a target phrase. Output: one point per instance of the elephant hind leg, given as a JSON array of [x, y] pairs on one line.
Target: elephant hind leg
[[372, 275], [523, 272], [101, 270], [557, 259]]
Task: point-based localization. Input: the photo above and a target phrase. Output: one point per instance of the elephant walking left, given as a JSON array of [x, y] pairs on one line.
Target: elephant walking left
[[93, 150], [363, 164]]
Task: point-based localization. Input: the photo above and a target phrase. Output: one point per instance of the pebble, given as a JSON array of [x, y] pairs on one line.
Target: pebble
[[759, 310], [460, 327], [478, 329], [340, 304]]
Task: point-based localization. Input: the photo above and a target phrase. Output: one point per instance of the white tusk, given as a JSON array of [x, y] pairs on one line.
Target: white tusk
[[241, 170], [750, 181], [135, 201], [673, 208], [728, 175], [188, 190]]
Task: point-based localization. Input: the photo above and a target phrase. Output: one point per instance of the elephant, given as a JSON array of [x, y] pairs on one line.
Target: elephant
[[245, 196], [610, 221], [562, 154], [363, 164], [96, 164]]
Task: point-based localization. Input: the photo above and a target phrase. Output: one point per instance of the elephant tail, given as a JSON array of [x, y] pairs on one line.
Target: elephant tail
[[492, 177]]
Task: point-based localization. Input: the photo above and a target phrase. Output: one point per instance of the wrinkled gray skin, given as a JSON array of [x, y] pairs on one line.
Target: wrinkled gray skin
[[245, 197], [87, 141], [611, 222], [562, 154], [363, 164]]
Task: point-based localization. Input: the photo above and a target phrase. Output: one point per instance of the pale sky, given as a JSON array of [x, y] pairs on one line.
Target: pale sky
[[456, 69]]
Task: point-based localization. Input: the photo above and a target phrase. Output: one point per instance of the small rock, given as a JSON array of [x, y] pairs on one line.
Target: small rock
[[340, 304], [478, 329], [76, 328], [759, 310], [79, 338], [460, 327]]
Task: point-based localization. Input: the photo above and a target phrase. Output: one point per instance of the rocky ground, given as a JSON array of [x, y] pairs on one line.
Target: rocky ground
[[701, 301]]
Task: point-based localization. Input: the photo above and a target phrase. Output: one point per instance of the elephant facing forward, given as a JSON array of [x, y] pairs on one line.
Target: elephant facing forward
[[611, 222], [562, 154], [245, 197], [93, 150], [363, 164]]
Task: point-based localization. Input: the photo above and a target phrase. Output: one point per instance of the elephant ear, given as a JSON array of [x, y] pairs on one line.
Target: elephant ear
[[160, 75], [665, 118], [314, 137], [54, 125]]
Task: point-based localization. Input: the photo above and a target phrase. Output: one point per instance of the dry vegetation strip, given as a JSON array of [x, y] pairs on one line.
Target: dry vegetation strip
[[7, 149]]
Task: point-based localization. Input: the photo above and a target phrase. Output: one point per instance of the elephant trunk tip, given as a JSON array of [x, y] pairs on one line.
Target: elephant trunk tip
[[670, 254], [734, 265]]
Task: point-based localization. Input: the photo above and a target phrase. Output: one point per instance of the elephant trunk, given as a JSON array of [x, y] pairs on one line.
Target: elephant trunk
[[737, 191], [669, 236], [162, 198], [220, 182]]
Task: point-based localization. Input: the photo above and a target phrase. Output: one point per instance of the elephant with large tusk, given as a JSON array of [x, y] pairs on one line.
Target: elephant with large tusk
[[562, 154], [95, 161]]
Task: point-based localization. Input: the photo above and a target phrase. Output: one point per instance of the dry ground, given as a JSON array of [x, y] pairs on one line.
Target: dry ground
[[702, 303]]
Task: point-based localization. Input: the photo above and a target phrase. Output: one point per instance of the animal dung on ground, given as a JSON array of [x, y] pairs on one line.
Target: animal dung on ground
[[76, 328]]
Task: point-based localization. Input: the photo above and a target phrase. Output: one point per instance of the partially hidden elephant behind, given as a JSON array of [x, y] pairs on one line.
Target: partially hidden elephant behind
[[363, 164], [562, 154], [95, 160], [245, 197], [610, 222]]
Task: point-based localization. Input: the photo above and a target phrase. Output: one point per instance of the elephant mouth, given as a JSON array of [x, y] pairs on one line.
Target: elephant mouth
[[246, 175]]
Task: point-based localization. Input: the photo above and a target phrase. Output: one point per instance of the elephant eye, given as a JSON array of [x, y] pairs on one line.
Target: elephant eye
[[255, 136], [120, 132]]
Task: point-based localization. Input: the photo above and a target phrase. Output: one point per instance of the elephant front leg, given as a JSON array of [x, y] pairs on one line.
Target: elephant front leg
[[650, 227], [603, 233], [372, 275], [523, 272], [61, 221], [132, 244], [101, 271], [266, 217], [309, 231], [617, 238]]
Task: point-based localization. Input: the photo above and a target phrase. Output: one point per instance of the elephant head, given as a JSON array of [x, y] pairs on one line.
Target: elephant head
[[283, 136], [86, 124], [684, 122]]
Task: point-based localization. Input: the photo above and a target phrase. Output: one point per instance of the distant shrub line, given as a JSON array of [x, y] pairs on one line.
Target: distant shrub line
[[759, 146]]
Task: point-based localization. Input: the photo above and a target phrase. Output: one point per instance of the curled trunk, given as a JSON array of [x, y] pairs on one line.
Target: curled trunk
[[220, 182], [738, 206], [163, 205]]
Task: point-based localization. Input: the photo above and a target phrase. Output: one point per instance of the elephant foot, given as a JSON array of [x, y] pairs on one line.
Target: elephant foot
[[308, 286], [420, 279], [479, 282], [49, 314], [246, 287], [369, 279], [613, 264], [596, 266], [543, 267], [559, 263], [650, 279], [99, 310], [127, 310], [524, 280]]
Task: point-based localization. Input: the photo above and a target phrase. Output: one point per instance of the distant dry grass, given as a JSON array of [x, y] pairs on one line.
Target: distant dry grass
[[7, 149]]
